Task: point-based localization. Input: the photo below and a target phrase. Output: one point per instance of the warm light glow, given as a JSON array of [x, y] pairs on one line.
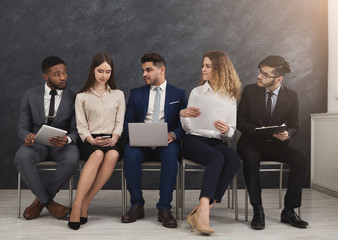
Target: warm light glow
[[333, 56]]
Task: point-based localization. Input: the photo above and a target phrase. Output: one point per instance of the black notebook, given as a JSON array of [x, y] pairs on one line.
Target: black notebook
[[267, 132]]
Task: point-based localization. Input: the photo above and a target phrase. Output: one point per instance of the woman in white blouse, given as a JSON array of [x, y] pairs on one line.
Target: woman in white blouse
[[210, 118], [99, 108]]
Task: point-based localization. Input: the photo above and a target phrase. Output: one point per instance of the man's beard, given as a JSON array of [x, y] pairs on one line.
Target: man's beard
[[54, 85]]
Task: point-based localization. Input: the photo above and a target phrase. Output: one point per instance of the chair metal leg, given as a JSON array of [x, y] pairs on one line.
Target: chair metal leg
[[178, 195], [235, 196], [280, 184], [183, 190], [229, 189], [246, 204], [124, 191], [71, 180], [19, 195]]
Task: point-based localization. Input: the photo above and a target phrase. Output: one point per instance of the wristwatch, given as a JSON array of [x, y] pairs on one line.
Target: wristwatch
[[173, 135]]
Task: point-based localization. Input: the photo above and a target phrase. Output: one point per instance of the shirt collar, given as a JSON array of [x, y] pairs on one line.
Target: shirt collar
[[107, 90], [162, 86], [276, 91], [47, 90], [206, 87]]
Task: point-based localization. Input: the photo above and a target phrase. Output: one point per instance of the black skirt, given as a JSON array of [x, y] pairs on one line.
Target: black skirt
[[86, 149]]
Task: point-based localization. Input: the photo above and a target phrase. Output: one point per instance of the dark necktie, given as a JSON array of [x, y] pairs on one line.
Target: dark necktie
[[268, 105], [50, 117]]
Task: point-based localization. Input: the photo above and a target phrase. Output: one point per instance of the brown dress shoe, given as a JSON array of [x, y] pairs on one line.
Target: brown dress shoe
[[33, 210], [167, 220], [57, 210], [136, 212]]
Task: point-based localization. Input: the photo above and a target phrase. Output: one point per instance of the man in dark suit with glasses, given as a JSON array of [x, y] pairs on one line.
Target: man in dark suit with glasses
[[269, 103]]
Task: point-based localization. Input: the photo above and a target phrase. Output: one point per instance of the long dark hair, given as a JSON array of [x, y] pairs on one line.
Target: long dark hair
[[98, 59]]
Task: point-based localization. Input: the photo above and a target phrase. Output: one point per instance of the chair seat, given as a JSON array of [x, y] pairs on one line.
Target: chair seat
[[191, 163]]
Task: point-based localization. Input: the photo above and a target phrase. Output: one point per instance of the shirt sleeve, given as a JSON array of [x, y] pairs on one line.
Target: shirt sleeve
[[81, 121], [120, 112]]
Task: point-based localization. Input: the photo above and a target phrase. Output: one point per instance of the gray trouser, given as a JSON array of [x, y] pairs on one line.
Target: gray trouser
[[27, 157]]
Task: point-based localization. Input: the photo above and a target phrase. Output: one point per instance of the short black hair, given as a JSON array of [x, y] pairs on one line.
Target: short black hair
[[280, 65], [155, 58], [49, 62]]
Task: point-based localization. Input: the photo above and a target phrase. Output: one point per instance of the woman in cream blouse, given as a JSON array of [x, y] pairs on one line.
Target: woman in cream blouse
[[99, 108], [209, 118]]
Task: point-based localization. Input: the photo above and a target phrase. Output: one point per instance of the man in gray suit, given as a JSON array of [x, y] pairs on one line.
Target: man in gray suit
[[52, 104]]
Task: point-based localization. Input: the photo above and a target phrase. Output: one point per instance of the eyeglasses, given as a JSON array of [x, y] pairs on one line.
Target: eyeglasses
[[265, 75]]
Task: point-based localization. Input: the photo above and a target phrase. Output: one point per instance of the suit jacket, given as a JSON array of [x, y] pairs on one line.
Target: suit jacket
[[251, 112], [32, 113], [175, 101]]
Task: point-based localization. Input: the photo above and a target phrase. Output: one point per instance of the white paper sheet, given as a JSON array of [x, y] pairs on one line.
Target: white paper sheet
[[211, 111]]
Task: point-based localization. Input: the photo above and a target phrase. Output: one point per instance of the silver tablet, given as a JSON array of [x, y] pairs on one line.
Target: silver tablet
[[46, 132]]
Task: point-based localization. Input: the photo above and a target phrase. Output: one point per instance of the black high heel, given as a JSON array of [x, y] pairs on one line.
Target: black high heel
[[74, 225], [83, 220]]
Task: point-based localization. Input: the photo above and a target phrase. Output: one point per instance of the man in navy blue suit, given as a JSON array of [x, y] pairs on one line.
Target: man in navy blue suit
[[141, 107]]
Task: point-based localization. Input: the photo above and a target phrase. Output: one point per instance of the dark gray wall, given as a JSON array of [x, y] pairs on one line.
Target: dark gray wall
[[247, 30]]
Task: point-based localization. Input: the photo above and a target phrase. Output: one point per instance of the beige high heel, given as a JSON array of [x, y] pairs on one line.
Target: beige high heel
[[201, 228], [190, 218]]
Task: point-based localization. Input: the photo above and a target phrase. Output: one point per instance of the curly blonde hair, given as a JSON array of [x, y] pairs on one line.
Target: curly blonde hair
[[223, 74]]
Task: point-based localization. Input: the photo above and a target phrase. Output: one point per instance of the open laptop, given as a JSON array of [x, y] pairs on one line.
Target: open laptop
[[152, 134], [46, 132]]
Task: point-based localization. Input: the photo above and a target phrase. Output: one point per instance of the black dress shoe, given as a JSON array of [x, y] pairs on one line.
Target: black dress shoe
[[136, 212], [74, 225], [258, 221], [83, 220], [166, 218], [289, 216]]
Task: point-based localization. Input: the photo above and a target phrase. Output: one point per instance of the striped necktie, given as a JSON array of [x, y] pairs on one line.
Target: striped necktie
[[157, 104]]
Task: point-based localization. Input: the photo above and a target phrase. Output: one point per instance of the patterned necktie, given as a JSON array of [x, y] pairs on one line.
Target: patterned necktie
[[50, 117], [268, 105], [157, 104]]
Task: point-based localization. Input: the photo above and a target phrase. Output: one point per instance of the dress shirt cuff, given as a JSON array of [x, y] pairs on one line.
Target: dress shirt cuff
[[69, 140], [229, 134], [186, 124]]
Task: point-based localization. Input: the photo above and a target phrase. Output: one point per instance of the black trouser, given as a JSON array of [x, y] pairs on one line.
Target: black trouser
[[253, 152], [221, 164]]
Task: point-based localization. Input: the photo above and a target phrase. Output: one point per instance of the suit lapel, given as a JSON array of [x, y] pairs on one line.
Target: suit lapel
[[168, 93], [41, 104], [145, 100], [262, 103], [63, 104]]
